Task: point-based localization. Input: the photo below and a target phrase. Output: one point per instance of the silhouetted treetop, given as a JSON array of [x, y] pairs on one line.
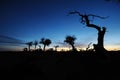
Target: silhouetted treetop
[[70, 39], [45, 42], [85, 20]]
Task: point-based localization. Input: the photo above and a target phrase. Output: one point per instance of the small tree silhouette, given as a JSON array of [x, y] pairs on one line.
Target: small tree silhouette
[[45, 42], [99, 47], [29, 44], [35, 44], [71, 41], [56, 47]]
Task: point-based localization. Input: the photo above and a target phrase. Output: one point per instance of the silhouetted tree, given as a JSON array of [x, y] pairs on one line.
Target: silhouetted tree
[[101, 31], [56, 47], [71, 41], [35, 44], [29, 44], [45, 42]]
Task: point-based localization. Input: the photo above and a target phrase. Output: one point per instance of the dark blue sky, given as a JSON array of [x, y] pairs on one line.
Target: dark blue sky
[[30, 20]]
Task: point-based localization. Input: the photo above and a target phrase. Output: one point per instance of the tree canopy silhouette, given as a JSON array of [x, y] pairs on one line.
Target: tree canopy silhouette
[[45, 42], [101, 31], [71, 41]]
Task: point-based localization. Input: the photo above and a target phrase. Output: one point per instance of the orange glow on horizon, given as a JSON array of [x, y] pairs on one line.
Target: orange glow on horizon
[[108, 47], [112, 48]]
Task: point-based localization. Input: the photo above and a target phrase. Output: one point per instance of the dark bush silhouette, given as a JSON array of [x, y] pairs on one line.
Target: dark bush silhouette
[[45, 42], [99, 47]]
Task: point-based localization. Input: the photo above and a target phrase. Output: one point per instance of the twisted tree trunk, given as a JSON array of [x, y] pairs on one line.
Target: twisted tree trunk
[[73, 47], [99, 47], [44, 47], [101, 32]]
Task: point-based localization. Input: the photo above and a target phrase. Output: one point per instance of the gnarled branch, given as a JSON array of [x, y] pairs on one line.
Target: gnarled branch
[[97, 16], [85, 19], [83, 15]]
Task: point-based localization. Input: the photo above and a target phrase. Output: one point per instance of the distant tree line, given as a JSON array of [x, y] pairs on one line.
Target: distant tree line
[[46, 42]]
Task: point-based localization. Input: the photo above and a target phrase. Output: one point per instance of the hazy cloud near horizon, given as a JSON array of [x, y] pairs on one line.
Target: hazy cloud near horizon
[[9, 43], [10, 40]]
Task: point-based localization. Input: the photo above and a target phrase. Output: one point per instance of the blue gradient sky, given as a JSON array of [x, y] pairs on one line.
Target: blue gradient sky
[[30, 20]]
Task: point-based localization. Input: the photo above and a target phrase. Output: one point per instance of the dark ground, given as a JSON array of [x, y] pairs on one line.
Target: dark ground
[[59, 66]]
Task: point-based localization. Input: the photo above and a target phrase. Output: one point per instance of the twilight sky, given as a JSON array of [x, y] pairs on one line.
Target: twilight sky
[[28, 20]]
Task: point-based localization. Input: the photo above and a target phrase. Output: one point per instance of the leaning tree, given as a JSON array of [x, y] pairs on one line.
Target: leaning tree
[[71, 41], [85, 19]]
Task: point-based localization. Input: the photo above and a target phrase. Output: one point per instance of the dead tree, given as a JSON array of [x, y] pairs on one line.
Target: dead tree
[[99, 47]]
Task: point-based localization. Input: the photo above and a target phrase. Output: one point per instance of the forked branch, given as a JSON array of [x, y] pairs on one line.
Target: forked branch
[[85, 19], [83, 15]]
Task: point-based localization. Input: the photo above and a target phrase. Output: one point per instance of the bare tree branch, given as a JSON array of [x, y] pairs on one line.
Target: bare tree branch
[[85, 19], [97, 16], [76, 12], [83, 15]]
